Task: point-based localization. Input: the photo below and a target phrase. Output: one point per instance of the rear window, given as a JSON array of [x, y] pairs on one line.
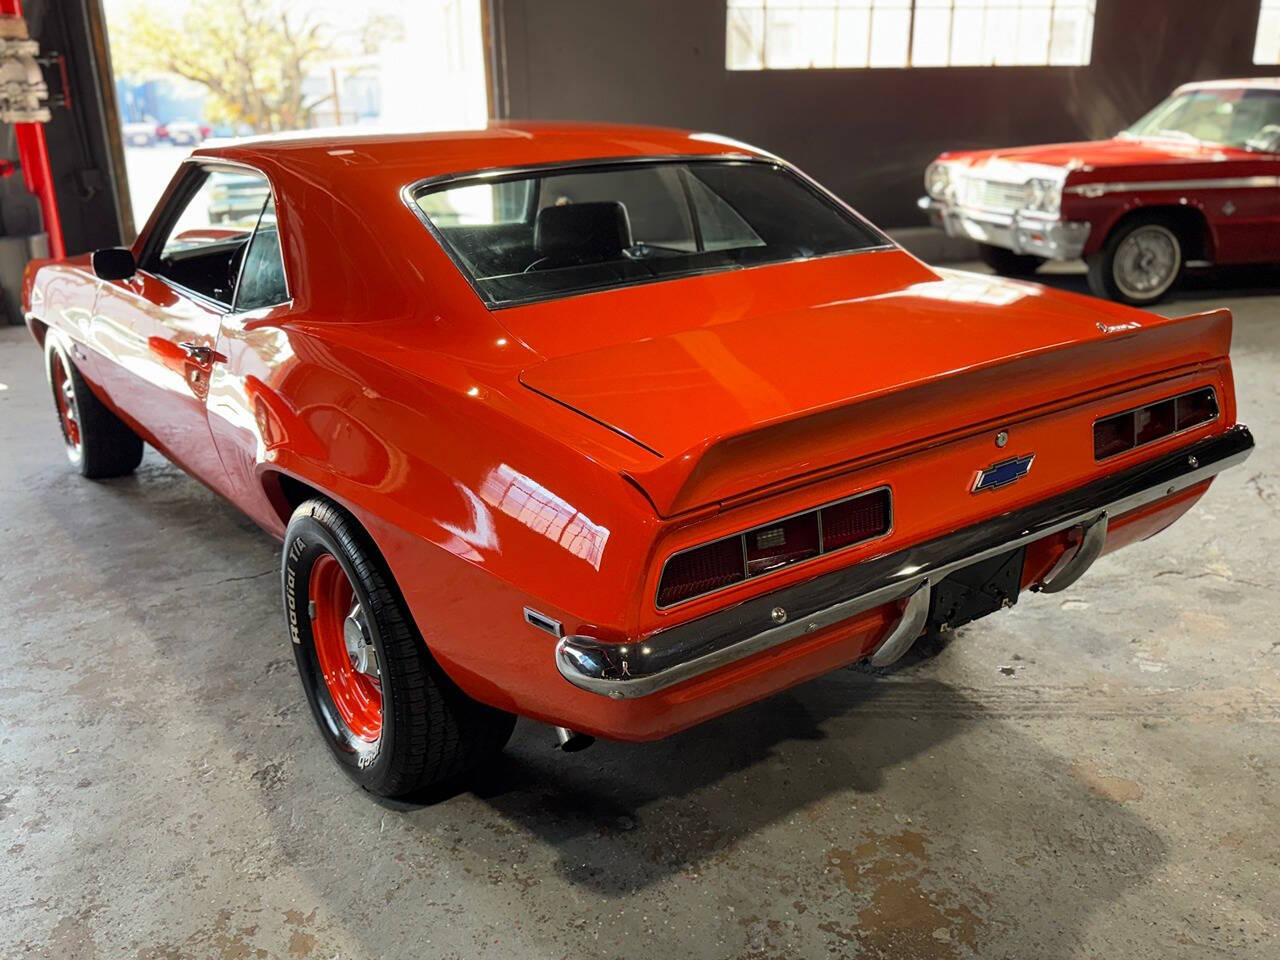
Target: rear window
[[556, 232]]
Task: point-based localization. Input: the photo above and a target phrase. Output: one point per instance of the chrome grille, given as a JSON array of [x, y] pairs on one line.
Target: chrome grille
[[993, 194]]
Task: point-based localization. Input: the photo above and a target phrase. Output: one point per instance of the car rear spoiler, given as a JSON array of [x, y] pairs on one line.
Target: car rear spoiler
[[897, 419]]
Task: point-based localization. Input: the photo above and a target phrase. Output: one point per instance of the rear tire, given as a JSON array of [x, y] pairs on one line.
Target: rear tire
[[98, 443], [1007, 263], [390, 715], [1140, 263]]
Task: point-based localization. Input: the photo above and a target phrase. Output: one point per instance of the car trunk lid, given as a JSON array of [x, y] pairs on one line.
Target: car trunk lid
[[748, 380]]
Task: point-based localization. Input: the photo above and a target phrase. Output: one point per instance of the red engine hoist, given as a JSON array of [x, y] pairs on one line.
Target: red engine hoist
[[24, 99]]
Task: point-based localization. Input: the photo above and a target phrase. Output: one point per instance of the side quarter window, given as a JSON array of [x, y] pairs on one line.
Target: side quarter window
[[262, 280], [203, 244]]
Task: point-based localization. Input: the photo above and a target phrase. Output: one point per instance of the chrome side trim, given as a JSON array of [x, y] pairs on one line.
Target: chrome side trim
[[1209, 183], [643, 666], [908, 629]]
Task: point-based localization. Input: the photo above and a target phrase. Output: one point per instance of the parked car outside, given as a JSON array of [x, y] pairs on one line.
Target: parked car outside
[[615, 428], [185, 133], [139, 134], [235, 198], [1196, 180]]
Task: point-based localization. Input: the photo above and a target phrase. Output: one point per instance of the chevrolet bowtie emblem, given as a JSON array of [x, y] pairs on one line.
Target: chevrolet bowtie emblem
[[1003, 473]]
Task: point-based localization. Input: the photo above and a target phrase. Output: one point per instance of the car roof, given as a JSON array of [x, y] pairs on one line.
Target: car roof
[[406, 157], [1247, 83]]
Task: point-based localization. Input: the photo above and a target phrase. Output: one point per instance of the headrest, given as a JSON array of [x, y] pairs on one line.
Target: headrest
[[582, 232]]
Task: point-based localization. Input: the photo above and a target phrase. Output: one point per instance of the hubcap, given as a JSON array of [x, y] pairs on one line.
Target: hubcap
[[344, 650], [360, 649], [68, 411], [1147, 262]]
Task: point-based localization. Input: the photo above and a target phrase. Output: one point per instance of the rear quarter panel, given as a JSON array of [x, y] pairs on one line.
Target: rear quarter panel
[[478, 495]]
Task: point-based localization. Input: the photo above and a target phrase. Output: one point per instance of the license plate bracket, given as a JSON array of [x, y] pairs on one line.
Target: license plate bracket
[[976, 590]]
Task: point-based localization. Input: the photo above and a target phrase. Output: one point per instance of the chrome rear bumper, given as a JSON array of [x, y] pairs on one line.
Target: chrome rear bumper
[[690, 649]]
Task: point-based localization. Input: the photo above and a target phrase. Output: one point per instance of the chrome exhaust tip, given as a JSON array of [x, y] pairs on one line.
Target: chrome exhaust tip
[[571, 741]]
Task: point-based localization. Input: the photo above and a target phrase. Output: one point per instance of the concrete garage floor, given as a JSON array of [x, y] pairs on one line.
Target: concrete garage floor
[[1095, 774]]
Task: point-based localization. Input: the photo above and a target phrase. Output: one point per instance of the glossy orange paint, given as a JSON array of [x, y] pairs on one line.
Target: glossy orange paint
[[486, 451]]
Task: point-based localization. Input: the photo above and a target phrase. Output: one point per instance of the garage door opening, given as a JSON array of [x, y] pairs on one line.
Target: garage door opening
[[188, 72]]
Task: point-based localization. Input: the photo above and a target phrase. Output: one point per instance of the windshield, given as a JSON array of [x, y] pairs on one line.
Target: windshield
[[556, 232], [1235, 118]]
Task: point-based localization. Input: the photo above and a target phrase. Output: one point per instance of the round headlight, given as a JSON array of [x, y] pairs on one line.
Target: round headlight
[[937, 180], [1046, 195]]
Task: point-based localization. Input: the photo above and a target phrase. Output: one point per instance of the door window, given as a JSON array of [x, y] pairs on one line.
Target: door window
[[204, 244], [262, 282]]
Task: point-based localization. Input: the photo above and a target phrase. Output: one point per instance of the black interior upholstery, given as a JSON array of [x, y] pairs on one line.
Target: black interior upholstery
[[210, 269], [582, 232]]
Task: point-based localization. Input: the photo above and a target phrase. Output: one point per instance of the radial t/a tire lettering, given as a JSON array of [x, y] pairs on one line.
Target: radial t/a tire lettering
[[390, 715]]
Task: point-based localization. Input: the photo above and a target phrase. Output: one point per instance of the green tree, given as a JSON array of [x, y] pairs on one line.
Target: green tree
[[253, 56]]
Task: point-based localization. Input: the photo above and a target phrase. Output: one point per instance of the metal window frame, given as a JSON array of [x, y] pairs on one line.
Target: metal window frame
[[179, 195], [409, 193]]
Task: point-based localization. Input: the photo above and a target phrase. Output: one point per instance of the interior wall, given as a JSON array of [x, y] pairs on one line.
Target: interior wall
[[867, 134]]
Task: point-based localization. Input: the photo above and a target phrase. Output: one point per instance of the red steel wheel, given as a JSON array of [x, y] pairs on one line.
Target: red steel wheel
[[97, 442], [344, 648], [68, 411], [389, 714]]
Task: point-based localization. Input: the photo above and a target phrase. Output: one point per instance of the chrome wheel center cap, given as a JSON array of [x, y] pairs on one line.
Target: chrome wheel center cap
[[69, 397], [364, 658]]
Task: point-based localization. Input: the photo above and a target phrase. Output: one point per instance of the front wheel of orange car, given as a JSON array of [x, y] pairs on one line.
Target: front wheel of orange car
[[390, 715], [98, 443]]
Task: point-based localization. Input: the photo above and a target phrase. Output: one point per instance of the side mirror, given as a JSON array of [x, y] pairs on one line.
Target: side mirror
[[114, 263]]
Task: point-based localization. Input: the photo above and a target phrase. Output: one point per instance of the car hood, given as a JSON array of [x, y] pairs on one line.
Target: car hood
[[791, 368], [1099, 154]]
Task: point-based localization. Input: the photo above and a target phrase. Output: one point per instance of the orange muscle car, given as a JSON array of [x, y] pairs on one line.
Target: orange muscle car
[[616, 428]]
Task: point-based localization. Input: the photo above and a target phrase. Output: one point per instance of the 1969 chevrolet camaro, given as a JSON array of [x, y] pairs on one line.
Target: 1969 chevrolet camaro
[[615, 428]]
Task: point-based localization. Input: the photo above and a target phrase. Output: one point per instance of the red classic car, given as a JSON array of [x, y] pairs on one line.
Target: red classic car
[[1197, 180], [615, 428]]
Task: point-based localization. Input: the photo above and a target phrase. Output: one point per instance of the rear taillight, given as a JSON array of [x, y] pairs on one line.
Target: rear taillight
[[1153, 422], [760, 550], [782, 543], [853, 521], [1199, 406], [1134, 428], [701, 570]]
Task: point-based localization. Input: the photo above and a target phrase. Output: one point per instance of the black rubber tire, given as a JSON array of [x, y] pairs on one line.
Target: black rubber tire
[[432, 733], [1007, 263], [108, 447], [1102, 281]]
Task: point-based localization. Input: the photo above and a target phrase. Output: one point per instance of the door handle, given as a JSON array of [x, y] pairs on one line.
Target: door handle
[[201, 353]]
